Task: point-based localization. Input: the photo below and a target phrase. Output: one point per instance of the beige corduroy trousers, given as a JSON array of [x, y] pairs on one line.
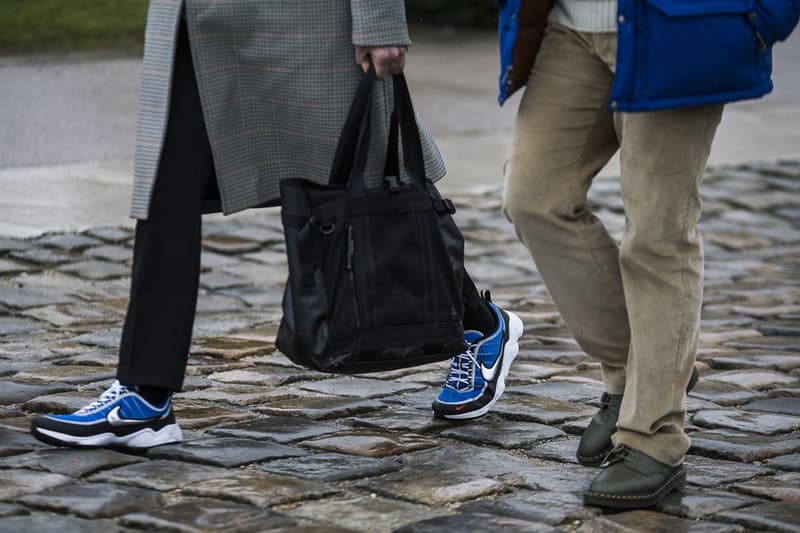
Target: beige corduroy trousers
[[634, 306]]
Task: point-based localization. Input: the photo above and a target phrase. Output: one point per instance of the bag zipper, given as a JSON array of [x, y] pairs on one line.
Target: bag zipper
[[350, 252]]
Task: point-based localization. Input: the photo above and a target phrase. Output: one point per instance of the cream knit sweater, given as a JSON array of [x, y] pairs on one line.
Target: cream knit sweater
[[586, 15]]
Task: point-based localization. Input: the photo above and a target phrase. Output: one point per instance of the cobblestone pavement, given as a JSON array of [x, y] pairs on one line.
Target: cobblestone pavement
[[271, 446]]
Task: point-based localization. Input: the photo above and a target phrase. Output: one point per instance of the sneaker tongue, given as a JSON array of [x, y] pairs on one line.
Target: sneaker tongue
[[471, 336]]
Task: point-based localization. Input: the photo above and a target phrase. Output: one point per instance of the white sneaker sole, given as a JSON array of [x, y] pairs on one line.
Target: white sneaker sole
[[144, 438], [515, 329]]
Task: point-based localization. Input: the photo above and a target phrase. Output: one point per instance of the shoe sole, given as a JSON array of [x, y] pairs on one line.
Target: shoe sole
[[597, 460], [144, 438], [510, 351], [614, 501]]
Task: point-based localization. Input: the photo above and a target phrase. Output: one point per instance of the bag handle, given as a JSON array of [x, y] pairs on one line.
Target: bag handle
[[351, 137], [352, 150]]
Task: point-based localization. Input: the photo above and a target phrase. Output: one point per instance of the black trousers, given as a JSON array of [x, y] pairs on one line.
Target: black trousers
[[166, 255]]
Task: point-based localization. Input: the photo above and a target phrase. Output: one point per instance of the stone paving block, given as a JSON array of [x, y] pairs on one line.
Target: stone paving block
[[776, 328], [255, 296], [218, 280], [524, 373], [426, 486], [49, 523], [752, 379], [745, 447], [91, 358], [562, 450], [113, 254], [237, 395], [536, 506], [219, 324], [541, 409], [405, 419], [104, 338], [159, 474], [229, 347], [789, 344], [227, 244], [12, 392], [195, 415], [723, 393], [94, 500], [206, 515], [786, 462], [698, 504], [260, 489], [18, 482], [62, 402], [326, 467], [42, 256], [503, 433], [474, 522], [759, 423], [227, 452], [8, 267], [77, 314], [321, 408], [783, 487], [360, 387], [371, 445], [72, 375], [96, 270], [785, 406], [68, 242], [561, 357], [114, 235], [281, 429], [783, 363], [650, 521], [708, 472], [421, 400], [23, 299], [363, 513], [9, 509], [70, 462], [567, 391], [13, 442], [774, 516], [263, 376], [217, 303]]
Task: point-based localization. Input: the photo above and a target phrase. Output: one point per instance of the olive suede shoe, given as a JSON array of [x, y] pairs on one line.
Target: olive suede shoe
[[632, 480], [596, 439]]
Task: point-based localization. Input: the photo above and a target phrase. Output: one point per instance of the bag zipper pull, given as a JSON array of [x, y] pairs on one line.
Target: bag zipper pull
[[350, 247]]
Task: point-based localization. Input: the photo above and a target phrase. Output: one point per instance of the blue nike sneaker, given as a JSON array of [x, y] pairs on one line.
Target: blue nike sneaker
[[120, 417], [477, 377]]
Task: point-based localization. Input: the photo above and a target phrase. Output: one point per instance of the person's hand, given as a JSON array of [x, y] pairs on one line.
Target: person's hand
[[387, 59]]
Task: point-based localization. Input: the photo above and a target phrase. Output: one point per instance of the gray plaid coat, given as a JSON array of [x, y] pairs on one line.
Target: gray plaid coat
[[276, 78]]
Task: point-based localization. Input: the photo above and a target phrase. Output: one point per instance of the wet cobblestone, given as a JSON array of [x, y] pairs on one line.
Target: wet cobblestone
[[270, 445]]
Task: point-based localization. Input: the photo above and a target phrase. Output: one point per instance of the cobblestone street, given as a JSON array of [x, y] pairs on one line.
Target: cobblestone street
[[272, 446]]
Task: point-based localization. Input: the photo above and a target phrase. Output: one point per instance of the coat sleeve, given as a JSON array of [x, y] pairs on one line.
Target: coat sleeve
[[379, 23]]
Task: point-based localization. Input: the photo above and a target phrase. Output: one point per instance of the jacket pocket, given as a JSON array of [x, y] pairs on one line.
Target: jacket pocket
[[773, 20], [694, 51]]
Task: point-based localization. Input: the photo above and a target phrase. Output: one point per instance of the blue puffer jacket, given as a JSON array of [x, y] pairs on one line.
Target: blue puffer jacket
[[676, 53]]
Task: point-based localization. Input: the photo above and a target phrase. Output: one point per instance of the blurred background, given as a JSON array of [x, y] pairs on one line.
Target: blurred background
[[69, 88]]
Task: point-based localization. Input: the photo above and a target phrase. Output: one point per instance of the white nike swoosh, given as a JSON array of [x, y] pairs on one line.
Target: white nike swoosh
[[114, 419], [489, 373]]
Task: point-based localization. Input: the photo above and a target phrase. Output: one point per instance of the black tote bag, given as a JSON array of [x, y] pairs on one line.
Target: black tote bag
[[375, 273]]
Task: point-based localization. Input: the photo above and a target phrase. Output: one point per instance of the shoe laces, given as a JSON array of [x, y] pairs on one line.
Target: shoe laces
[[110, 395], [616, 454], [462, 370]]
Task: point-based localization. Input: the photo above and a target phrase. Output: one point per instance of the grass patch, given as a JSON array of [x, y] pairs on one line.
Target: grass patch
[[63, 26]]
